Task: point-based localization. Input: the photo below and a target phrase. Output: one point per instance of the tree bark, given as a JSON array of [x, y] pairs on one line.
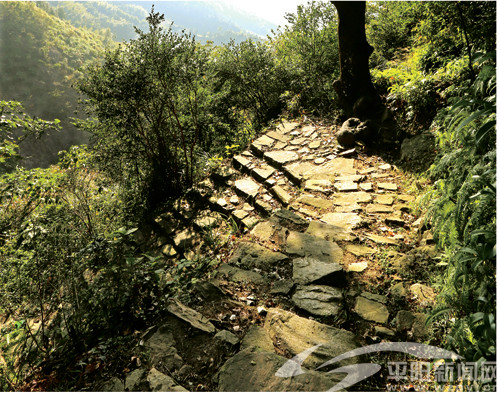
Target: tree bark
[[355, 89]]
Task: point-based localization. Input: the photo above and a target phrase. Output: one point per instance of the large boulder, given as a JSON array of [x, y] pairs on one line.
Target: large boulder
[[295, 334], [320, 300], [306, 245], [254, 370], [249, 256]]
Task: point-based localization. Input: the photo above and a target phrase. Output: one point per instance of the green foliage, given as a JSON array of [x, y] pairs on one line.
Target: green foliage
[[150, 98], [463, 212], [250, 79], [423, 51], [62, 271], [15, 127], [307, 48], [41, 59]]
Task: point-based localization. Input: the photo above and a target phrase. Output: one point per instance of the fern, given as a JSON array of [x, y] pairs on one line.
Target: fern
[[463, 213]]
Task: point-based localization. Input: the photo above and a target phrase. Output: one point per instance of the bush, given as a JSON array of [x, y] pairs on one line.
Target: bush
[[463, 212], [149, 98], [308, 49], [251, 79]]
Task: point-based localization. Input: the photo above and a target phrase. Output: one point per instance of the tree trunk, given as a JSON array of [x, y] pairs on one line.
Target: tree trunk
[[356, 92]]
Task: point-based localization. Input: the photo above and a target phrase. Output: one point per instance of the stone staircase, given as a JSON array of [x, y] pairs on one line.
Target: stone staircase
[[319, 219]]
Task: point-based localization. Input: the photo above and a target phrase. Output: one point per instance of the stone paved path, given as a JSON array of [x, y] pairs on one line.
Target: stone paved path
[[321, 224]]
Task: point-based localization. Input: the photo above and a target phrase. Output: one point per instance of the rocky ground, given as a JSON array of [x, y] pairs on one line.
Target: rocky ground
[[331, 255]]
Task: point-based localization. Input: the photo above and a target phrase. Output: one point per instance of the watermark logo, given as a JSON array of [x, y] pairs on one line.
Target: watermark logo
[[440, 373]]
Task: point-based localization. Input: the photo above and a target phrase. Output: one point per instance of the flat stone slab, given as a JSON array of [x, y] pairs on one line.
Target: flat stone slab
[[342, 220], [320, 300], [342, 199], [298, 141], [250, 221], [238, 275], [378, 208], [278, 136], [315, 144], [300, 168], [262, 205], [247, 187], [281, 195], [323, 204], [329, 232], [347, 186], [357, 266], [190, 316], [241, 161], [295, 334], [289, 219], [309, 270], [239, 214], [382, 239], [263, 230], [264, 141], [254, 370], [384, 199], [388, 186], [263, 173], [250, 255], [371, 310], [359, 250], [281, 158], [287, 127], [338, 166], [318, 185], [350, 178], [306, 245], [366, 186]]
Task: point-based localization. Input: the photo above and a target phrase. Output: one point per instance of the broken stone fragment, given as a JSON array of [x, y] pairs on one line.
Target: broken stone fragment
[[371, 310], [320, 300], [250, 255], [190, 316], [227, 337], [308, 270], [160, 382]]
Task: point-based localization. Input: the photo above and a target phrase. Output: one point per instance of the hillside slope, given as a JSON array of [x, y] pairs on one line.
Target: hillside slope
[[42, 56]]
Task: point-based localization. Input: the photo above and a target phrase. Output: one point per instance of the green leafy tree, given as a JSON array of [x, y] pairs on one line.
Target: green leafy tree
[[307, 48], [148, 98], [251, 79], [15, 127]]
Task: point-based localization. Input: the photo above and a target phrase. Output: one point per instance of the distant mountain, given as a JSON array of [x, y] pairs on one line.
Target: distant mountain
[[207, 20], [205, 17]]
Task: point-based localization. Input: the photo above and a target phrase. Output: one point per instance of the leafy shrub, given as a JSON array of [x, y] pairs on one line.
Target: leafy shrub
[[251, 79], [463, 212], [308, 49], [15, 127], [149, 98]]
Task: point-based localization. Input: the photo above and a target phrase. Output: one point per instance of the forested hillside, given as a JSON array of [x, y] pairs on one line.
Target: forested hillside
[[42, 57], [240, 204]]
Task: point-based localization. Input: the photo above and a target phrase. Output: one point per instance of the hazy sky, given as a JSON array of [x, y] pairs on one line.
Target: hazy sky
[[272, 10]]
